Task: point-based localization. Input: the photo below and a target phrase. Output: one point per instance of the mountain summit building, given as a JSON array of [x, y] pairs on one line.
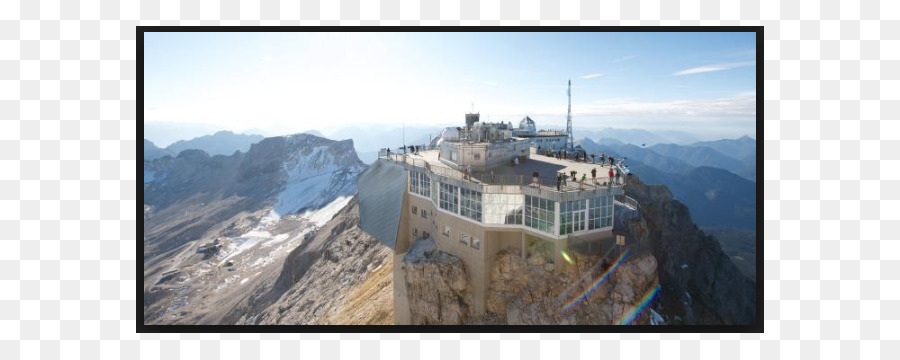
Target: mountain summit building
[[483, 188]]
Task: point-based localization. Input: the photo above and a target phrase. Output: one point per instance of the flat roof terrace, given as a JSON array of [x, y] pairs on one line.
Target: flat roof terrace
[[521, 174]]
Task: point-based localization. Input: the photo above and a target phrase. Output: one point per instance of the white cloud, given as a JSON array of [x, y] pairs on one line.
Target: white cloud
[[715, 67], [591, 76], [621, 59]]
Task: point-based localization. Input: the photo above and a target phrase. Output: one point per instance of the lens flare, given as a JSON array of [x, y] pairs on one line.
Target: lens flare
[[566, 256], [639, 308], [594, 285]]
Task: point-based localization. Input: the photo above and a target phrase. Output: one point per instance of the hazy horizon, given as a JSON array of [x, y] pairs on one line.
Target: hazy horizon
[[700, 83]]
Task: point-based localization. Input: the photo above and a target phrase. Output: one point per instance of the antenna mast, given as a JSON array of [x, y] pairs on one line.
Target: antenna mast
[[570, 142]]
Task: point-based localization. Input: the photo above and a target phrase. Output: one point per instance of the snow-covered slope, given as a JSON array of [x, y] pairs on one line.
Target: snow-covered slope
[[223, 225], [315, 177]]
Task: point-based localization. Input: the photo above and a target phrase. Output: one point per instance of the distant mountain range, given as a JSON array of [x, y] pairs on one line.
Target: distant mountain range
[[369, 139], [220, 143], [719, 189], [638, 137]]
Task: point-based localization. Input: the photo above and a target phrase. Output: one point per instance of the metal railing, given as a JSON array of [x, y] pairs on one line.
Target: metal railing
[[545, 184], [628, 201]]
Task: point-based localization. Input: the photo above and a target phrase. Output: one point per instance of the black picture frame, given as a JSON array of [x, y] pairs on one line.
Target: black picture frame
[[757, 327]]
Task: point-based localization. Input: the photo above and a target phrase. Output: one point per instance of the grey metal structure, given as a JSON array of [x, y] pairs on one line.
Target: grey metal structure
[[570, 144], [380, 200]]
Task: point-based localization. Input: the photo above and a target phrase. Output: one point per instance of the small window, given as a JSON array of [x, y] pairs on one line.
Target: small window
[[477, 156], [464, 238], [415, 232], [425, 235], [424, 214], [415, 210], [447, 231], [476, 243]]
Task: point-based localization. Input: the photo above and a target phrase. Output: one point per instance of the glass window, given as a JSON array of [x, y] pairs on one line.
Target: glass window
[[447, 231], [503, 208], [415, 210], [601, 212], [539, 214], [571, 216], [449, 198], [420, 183], [476, 243], [464, 238], [424, 214], [470, 204]]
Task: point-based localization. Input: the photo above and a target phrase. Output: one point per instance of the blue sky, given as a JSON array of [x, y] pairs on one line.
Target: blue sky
[[702, 83]]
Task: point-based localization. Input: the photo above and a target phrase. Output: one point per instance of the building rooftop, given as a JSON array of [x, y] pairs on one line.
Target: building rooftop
[[521, 174]]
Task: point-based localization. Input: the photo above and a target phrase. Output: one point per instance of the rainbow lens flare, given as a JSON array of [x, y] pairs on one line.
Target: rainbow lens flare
[[639, 308], [595, 284]]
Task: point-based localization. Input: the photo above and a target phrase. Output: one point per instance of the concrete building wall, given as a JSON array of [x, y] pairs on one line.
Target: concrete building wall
[[479, 262], [471, 257]]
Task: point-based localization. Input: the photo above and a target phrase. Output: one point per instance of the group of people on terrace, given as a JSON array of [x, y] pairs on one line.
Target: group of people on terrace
[[562, 178], [577, 156]]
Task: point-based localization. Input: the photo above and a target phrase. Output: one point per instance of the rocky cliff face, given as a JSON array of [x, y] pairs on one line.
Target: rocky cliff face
[[218, 230], [527, 291], [700, 284], [341, 275], [437, 286], [530, 292]]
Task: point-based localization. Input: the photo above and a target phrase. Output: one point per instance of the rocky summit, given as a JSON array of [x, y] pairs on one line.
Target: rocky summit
[[226, 236]]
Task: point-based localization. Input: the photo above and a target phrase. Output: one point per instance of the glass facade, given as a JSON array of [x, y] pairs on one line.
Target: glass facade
[[503, 208], [518, 209], [600, 213], [449, 198], [539, 214], [420, 183], [572, 216], [470, 204]]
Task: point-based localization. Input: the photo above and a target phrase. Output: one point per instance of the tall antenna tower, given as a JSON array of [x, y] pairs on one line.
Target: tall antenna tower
[[570, 142]]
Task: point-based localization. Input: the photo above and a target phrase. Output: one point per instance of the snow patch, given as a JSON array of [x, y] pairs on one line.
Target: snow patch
[[315, 177], [656, 318], [249, 240], [326, 213]]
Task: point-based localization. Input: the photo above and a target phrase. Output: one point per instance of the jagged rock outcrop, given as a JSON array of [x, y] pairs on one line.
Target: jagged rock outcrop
[[437, 286], [530, 292], [700, 284], [341, 275], [261, 205]]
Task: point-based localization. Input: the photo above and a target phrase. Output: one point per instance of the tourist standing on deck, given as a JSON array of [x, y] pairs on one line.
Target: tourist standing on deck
[[594, 175], [558, 181], [611, 176], [583, 177], [602, 158], [535, 176]]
